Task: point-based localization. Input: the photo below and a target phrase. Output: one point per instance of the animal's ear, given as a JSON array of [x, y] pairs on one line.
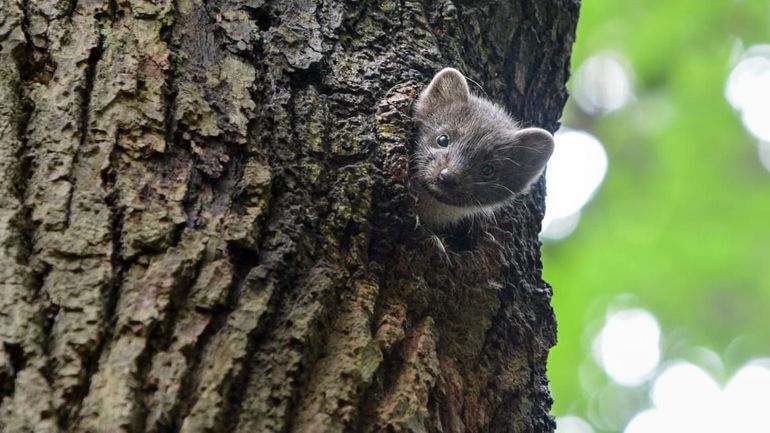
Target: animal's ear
[[533, 148], [447, 87]]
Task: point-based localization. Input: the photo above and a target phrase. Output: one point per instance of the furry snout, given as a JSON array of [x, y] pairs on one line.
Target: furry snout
[[444, 172], [446, 179]]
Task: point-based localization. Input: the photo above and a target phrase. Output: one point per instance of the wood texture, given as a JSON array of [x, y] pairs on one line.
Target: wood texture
[[205, 226]]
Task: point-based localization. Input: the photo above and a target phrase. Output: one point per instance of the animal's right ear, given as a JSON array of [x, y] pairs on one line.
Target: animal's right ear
[[447, 87], [533, 148]]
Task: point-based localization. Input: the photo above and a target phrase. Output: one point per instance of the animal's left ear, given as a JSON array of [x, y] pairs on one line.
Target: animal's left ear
[[533, 148], [447, 87]]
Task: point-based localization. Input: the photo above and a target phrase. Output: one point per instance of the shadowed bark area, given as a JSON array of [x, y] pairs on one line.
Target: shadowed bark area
[[205, 225]]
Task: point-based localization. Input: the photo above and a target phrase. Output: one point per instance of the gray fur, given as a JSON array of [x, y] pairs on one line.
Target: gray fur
[[480, 132]]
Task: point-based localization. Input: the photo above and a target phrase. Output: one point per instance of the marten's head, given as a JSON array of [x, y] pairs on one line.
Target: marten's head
[[470, 153]]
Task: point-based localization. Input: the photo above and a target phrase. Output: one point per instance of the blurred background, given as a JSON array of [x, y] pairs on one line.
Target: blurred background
[[657, 236]]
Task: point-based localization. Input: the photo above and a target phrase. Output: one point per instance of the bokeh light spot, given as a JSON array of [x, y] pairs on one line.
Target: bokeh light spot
[[649, 421], [684, 386], [747, 399], [574, 172], [602, 84], [686, 398], [556, 229], [629, 346], [748, 90], [572, 424], [764, 154]]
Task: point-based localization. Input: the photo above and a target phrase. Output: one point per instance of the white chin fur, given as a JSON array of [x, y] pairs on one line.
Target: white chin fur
[[434, 213]]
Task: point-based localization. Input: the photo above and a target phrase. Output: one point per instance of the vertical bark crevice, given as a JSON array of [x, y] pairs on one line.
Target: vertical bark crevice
[[23, 58], [287, 354], [94, 56], [169, 87], [25, 393], [170, 419], [160, 340], [14, 360], [260, 289]]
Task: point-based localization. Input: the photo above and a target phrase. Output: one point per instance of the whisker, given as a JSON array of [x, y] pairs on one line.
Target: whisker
[[537, 149], [486, 211], [504, 187], [505, 159], [477, 85], [495, 185]]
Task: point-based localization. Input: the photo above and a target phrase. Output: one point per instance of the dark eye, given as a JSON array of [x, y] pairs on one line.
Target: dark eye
[[487, 170], [442, 140]]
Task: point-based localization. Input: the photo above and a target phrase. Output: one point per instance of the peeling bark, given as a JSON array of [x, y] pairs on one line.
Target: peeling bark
[[205, 225]]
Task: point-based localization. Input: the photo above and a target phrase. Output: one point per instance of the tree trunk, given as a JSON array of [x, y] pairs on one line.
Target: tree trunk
[[205, 224]]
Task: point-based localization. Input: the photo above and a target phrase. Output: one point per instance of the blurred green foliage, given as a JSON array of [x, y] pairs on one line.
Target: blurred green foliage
[[681, 224]]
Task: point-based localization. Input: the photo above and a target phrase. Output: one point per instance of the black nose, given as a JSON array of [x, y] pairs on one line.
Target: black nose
[[447, 177]]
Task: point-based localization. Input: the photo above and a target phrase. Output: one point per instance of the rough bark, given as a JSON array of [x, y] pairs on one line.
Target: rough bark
[[205, 225]]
